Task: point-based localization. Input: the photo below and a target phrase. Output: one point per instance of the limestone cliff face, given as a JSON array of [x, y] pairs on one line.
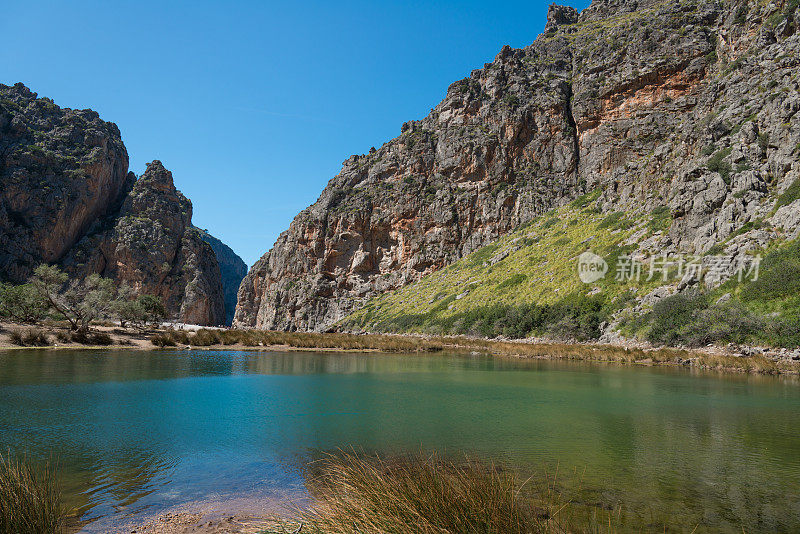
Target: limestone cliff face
[[151, 245], [233, 270], [60, 170], [66, 197], [690, 105]]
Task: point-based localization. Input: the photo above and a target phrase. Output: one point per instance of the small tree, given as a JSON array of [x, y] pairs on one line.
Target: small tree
[[22, 303], [90, 299], [139, 311], [152, 307], [49, 282], [79, 301], [125, 307]]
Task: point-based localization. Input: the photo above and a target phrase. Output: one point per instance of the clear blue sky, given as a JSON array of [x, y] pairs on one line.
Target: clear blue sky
[[253, 106]]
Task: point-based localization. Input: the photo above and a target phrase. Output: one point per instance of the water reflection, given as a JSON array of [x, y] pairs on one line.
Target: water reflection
[[136, 432]]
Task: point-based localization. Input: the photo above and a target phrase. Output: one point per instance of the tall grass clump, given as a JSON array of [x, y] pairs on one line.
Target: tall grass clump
[[30, 499], [426, 495], [29, 338], [163, 339]]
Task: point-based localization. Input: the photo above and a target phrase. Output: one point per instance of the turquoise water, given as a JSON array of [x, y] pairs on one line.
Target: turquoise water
[[139, 432]]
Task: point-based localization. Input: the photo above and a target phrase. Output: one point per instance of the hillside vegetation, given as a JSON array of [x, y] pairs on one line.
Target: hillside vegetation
[[527, 284]]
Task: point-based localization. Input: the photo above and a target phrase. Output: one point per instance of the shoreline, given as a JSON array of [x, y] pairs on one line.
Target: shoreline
[[731, 359]]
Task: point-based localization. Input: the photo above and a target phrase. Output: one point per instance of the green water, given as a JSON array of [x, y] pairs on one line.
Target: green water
[[139, 432]]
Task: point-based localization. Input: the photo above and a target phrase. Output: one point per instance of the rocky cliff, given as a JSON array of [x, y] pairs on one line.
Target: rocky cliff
[[60, 171], [150, 244], [66, 197], [232, 268], [687, 106]]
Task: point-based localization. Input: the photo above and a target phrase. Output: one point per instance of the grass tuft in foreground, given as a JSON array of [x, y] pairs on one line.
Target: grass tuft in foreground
[[426, 495], [30, 499]]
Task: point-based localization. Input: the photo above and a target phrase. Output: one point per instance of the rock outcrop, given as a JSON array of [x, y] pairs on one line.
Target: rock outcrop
[[60, 171], [690, 106], [151, 245], [232, 268], [66, 197]]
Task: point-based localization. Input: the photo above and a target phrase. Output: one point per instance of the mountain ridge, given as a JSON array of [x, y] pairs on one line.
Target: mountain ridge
[[688, 107], [67, 197]]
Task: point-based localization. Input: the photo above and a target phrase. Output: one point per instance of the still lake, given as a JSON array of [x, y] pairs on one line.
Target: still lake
[[136, 433]]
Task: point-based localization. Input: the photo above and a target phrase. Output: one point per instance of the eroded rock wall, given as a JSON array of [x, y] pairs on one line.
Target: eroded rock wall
[[66, 197], [60, 170], [151, 245], [640, 99]]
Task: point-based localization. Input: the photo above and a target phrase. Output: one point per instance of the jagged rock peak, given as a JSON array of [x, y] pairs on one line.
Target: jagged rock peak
[[558, 16], [66, 197], [157, 175], [688, 107]]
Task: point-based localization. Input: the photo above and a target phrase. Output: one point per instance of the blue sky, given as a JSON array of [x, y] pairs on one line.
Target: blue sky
[[253, 106]]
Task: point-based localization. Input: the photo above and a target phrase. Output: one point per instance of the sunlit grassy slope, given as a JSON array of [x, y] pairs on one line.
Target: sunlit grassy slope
[[536, 264], [527, 284]]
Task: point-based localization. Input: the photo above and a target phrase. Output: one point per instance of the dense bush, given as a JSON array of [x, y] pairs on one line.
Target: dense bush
[[779, 275], [205, 338], [782, 331], [690, 319], [29, 338], [718, 164], [660, 219], [673, 317], [162, 340], [576, 317], [791, 194], [93, 338]]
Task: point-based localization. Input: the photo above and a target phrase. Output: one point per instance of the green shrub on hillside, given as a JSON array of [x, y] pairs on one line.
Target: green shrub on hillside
[[584, 200], [690, 319], [779, 275], [483, 255], [718, 164], [660, 219], [512, 281], [576, 317], [616, 220], [791, 194]]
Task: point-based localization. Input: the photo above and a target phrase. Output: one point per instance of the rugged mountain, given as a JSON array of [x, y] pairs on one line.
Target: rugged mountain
[[687, 108], [232, 268], [60, 171], [150, 243], [66, 197]]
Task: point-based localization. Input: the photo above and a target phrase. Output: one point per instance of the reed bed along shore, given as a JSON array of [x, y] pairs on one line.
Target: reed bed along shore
[[355, 493], [110, 336], [426, 494], [30, 498], [256, 339]]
